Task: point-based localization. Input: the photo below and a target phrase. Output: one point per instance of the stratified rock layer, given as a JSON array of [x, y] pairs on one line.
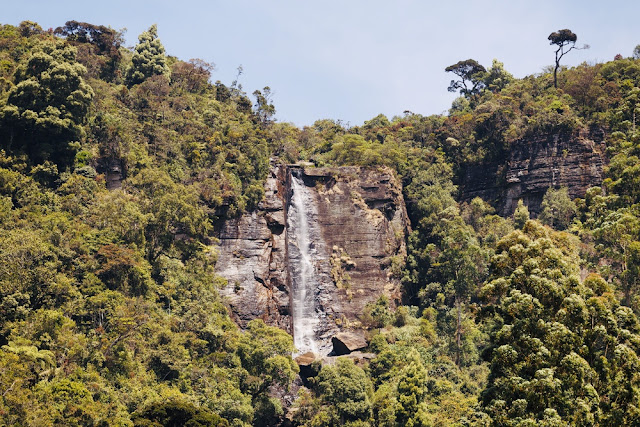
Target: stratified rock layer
[[574, 161], [363, 225], [252, 257]]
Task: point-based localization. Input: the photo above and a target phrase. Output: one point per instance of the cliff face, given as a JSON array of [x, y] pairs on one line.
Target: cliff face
[[535, 164], [362, 223], [252, 257], [363, 220]]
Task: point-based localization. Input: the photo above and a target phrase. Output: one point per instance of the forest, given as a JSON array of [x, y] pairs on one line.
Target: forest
[[117, 165]]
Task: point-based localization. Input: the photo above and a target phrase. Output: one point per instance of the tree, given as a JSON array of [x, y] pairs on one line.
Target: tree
[[412, 389], [497, 78], [44, 111], [471, 75], [148, 59], [558, 348], [431, 194], [175, 219], [177, 413], [29, 28], [192, 76], [619, 232], [265, 353], [636, 52], [521, 215], [264, 108], [566, 42], [459, 266], [98, 46], [557, 208], [106, 40], [348, 389]]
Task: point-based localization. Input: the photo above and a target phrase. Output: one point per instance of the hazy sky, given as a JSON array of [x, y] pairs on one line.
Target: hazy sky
[[353, 59]]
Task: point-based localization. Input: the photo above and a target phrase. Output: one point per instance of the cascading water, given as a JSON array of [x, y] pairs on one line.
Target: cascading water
[[303, 237]]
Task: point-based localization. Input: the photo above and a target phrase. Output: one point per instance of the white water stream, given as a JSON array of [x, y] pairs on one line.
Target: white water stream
[[302, 237]]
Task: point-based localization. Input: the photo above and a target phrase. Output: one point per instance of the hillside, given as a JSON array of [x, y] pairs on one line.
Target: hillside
[[493, 270]]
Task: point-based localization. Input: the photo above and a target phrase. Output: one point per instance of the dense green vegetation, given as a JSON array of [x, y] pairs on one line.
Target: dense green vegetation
[[109, 306], [116, 165]]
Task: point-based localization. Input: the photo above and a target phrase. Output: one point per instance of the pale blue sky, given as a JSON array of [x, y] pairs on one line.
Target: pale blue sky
[[353, 59]]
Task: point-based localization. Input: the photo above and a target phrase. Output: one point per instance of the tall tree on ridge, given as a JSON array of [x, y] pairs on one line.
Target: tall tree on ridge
[[471, 75], [563, 39]]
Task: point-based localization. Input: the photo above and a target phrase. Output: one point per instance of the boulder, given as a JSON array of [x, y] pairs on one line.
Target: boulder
[[346, 342], [306, 359], [305, 362]]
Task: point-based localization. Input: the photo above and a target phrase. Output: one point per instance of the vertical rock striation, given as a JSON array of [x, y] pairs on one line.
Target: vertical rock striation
[[338, 232], [363, 220], [252, 257]]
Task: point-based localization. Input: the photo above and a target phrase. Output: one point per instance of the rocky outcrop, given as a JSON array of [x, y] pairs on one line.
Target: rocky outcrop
[[363, 220], [309, 364], [574, 161], [362, 224], [252, 257], [113, 170], [347, 342]]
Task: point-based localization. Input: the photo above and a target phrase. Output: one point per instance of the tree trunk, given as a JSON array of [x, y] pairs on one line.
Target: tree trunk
[[458, 333], [559, 55]]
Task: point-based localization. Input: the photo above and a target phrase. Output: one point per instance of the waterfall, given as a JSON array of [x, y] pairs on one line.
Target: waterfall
[[303, 241]]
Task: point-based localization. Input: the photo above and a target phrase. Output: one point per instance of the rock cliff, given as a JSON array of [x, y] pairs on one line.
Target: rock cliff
[[574, 161], [362, 223], [252, 257], [363, 219]]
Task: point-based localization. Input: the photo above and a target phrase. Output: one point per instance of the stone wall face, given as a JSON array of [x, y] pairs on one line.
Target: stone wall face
[[363, 223], [252, 257], [535, 164]]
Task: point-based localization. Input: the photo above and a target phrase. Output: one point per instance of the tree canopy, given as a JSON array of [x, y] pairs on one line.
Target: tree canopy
[[118, 168], [149, 58], [48, 104], [471, 75]]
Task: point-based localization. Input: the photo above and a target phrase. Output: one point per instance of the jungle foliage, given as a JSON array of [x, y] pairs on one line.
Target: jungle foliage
[[116, 166]]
